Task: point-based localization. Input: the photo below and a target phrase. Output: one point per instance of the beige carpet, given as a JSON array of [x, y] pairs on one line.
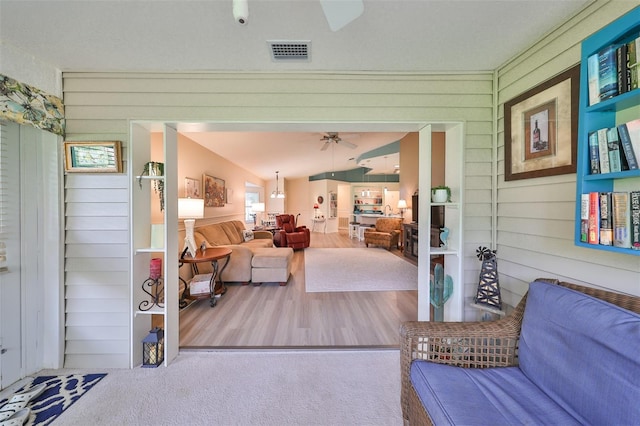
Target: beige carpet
[[248, 388], [357, 269]]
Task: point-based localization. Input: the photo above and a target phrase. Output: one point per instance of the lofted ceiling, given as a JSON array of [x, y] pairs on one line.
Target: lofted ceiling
[[407, 36]]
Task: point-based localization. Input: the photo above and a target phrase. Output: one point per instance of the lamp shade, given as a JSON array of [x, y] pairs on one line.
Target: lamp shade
[[190, 208], [402, 204], [257, 207]]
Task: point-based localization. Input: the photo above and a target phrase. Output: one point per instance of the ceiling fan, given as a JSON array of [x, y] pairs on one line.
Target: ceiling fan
[[339, 13], [333, 137]]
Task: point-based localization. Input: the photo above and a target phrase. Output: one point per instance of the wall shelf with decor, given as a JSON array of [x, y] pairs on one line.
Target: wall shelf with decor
[[154, 250], [597, 116]]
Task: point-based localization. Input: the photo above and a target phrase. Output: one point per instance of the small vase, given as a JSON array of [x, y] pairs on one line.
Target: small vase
[[439, 196]]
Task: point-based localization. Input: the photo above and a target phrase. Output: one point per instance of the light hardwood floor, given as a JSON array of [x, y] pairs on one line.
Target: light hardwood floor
[[273, 316]]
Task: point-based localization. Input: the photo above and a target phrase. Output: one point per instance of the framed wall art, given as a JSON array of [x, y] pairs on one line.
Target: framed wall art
[[192, 188], [214, 191], [541, 129], [93, 157]]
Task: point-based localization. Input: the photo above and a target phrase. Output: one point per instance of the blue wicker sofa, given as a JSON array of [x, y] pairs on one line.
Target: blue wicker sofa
[[566, 355]]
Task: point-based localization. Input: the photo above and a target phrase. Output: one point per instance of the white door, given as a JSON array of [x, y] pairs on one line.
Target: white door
[[10, 249]]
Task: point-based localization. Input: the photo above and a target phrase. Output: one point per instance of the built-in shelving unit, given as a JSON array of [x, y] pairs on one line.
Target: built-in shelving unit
[[333, 204], [145, 210], [605, 114], [452, 255], [367, 200]]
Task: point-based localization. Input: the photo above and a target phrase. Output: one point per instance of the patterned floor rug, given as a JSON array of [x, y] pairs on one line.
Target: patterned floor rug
[[60, 394]]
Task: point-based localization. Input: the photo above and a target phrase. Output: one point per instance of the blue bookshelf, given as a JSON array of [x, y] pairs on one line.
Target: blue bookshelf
[[607, 113]]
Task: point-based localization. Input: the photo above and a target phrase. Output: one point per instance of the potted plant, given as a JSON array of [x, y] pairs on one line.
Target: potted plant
[[441, 194], [154, 168]]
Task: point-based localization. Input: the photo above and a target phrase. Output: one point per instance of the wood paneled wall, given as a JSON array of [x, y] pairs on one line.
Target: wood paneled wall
[[99, 106], [535, 217]]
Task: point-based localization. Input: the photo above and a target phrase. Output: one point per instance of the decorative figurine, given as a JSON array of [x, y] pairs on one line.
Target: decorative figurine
[[444, 236], [440, 291], [488, 285]]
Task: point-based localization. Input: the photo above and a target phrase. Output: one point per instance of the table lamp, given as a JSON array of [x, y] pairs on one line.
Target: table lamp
[[257, 208], [402, 206], [190, 209]]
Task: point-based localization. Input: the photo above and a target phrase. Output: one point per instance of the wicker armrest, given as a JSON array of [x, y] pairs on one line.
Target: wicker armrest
[[464, 344]]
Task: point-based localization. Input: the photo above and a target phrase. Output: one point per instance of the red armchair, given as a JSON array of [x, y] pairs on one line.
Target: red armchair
[[290, 235]]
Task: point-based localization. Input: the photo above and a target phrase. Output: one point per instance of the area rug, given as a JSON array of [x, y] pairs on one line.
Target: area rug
[[357, 269], [60, 394], [249, 388]]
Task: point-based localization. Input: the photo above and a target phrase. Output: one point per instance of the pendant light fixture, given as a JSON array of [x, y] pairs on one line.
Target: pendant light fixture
[[277, 193]]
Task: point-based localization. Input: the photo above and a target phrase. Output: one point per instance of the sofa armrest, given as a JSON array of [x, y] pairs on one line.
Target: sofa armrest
[[262, 235]]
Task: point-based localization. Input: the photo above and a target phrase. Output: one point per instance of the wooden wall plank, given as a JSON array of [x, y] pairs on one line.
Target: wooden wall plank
[[100, 105], [97, 209], [93, 360], [97, 278], [84, 333], [97, 250]]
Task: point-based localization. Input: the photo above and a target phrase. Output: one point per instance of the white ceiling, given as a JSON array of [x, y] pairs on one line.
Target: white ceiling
[[192, 35]]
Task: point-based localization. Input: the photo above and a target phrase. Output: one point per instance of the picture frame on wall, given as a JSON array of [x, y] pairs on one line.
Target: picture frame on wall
[[214, 191], [192, 188], [93, 157], [541, 129]]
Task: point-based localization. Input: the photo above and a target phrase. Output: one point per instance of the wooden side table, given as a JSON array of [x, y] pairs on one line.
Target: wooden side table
[[213, 255]]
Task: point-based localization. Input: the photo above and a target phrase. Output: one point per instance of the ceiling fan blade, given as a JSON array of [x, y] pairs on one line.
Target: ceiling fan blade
[[347, 144], [339, 13], [325, 146]]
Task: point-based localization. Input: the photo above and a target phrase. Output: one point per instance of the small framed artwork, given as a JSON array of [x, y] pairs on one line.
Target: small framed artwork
[[192, 188], [93, 157], [214, 191], [541, 129]]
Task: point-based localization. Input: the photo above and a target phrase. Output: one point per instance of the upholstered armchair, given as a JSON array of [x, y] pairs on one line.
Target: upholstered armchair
[[290, 235], [386, 233]]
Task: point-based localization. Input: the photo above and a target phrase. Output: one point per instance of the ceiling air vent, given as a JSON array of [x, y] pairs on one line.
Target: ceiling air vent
[[290, 50]]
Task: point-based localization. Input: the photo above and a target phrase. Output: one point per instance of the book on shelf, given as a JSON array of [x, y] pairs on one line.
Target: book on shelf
[[594, 153], [621, 60], [594, 218], [634, 206], [593, 79], [615, 160], [633, 130], [584, 218], [608, 72], [627, 146], [621, 219], [603, 151], [606, 219], [633, 68]]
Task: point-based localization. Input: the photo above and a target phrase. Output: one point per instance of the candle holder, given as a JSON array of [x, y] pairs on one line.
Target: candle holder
[[153, 286]]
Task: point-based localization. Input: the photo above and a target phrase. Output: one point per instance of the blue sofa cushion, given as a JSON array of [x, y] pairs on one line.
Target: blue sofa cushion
[[492, 396], [584, 353]]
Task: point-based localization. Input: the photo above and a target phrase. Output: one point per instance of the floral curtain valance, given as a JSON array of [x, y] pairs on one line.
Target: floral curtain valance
[[25, 104]]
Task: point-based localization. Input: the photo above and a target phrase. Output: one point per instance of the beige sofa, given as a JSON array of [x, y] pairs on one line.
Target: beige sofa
[[230, 234]]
